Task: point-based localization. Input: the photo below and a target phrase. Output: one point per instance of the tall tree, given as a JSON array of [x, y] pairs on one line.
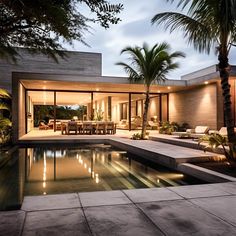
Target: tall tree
[[149, 66], [209, 24], [43, 24]]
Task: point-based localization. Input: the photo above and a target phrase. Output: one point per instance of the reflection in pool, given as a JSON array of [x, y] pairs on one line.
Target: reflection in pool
[[51, 170]]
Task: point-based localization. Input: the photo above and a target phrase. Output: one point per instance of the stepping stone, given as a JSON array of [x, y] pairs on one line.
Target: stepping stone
[[49, 202], [151, 194], [195, 191], [119, 220], [102, 198], [67, 222], [11, 222], [182, 218], [222, 207]]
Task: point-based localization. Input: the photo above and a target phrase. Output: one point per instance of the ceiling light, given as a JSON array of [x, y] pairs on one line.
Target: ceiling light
[[206, 82], [158, 91], [168, 87]]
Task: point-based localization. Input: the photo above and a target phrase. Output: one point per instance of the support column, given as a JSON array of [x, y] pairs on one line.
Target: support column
[[167, 106], [109, 108], [129, 111], [91, 111], [160, 107], [55, 111]]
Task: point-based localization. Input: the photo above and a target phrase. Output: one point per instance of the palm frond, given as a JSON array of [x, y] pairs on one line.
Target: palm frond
[[4, 107], [148, 65], [5, 122], [4, 94], [199, 34], [207, 23], [133, 75]]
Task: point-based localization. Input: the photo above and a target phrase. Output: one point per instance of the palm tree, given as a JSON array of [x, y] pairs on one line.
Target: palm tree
[[149, 66], [209, 24]]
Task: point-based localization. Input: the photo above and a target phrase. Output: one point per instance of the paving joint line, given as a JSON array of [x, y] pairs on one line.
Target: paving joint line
[[85, 217], [23, 224], [144, 214], [218, 217]]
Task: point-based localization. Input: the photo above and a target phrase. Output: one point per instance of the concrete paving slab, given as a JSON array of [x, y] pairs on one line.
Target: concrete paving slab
[[49, 202], [195, 191], [119, 220], [11, 222], [181, 218], [56, 222], [151, 194], [102, 198], [222, 207], [229, 187]]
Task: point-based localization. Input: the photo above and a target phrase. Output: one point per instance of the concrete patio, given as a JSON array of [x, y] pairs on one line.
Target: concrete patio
[[197, 210]]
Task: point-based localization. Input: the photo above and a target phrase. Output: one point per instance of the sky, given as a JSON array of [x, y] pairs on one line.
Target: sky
[[136, 28]]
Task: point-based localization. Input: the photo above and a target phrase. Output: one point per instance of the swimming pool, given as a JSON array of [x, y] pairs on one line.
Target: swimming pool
[[45, 170]]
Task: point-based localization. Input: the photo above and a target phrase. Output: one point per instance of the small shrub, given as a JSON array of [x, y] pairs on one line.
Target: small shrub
[[138, 136], [168, 128]]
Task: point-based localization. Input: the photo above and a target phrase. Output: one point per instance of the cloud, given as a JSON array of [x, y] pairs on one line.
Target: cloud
[[135, 29]]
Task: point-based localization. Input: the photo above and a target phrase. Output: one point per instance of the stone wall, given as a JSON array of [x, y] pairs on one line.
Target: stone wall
[[196, 106], [77, 63]]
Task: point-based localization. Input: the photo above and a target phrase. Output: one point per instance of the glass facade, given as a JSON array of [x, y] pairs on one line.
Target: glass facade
[[125, 109]]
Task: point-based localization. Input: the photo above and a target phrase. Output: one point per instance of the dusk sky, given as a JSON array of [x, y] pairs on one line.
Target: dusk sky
[[134, 29]]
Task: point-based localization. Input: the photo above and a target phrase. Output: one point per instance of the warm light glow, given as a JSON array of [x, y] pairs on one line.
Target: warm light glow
[[85, 166], [44, 170], [158, 181], [75, 117], [158, 91], [44, 87], [44, 193], [206, 82], [89, 170], [97, 89], [168, 87]]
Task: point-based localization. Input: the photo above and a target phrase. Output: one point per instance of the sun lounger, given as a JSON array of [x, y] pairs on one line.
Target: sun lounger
[[222, 131], [198, 132]]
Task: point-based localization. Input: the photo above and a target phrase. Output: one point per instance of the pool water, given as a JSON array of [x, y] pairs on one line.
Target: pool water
[[81, 168]]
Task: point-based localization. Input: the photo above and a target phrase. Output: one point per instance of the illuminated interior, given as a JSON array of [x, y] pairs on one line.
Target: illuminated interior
[[122, 108]]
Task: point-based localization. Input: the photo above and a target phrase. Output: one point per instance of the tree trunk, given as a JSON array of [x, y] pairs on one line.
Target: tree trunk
[[145, 113], [224, 75]]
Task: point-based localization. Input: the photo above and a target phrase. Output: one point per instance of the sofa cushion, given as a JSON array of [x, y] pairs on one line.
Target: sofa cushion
[[223, 131], [201, 129]]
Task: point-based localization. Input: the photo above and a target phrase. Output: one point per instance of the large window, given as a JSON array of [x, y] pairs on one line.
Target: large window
[[53, 107]]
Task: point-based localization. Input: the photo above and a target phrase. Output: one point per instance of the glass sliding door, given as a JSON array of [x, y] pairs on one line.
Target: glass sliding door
[[39, 110]]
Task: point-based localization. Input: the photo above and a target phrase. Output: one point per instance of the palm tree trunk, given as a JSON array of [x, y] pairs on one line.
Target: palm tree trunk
[[224, 75], [145, 113]]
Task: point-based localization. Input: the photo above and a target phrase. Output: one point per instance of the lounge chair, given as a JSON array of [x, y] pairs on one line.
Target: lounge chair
[[222, 131], [198, 132], [152, 125], [136, 122], [43, 126]]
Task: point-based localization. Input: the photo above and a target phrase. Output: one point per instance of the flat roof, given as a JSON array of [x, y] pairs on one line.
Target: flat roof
[[53, 81]]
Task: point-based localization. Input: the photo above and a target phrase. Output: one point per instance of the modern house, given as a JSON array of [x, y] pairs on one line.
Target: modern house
[[77, 80]]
